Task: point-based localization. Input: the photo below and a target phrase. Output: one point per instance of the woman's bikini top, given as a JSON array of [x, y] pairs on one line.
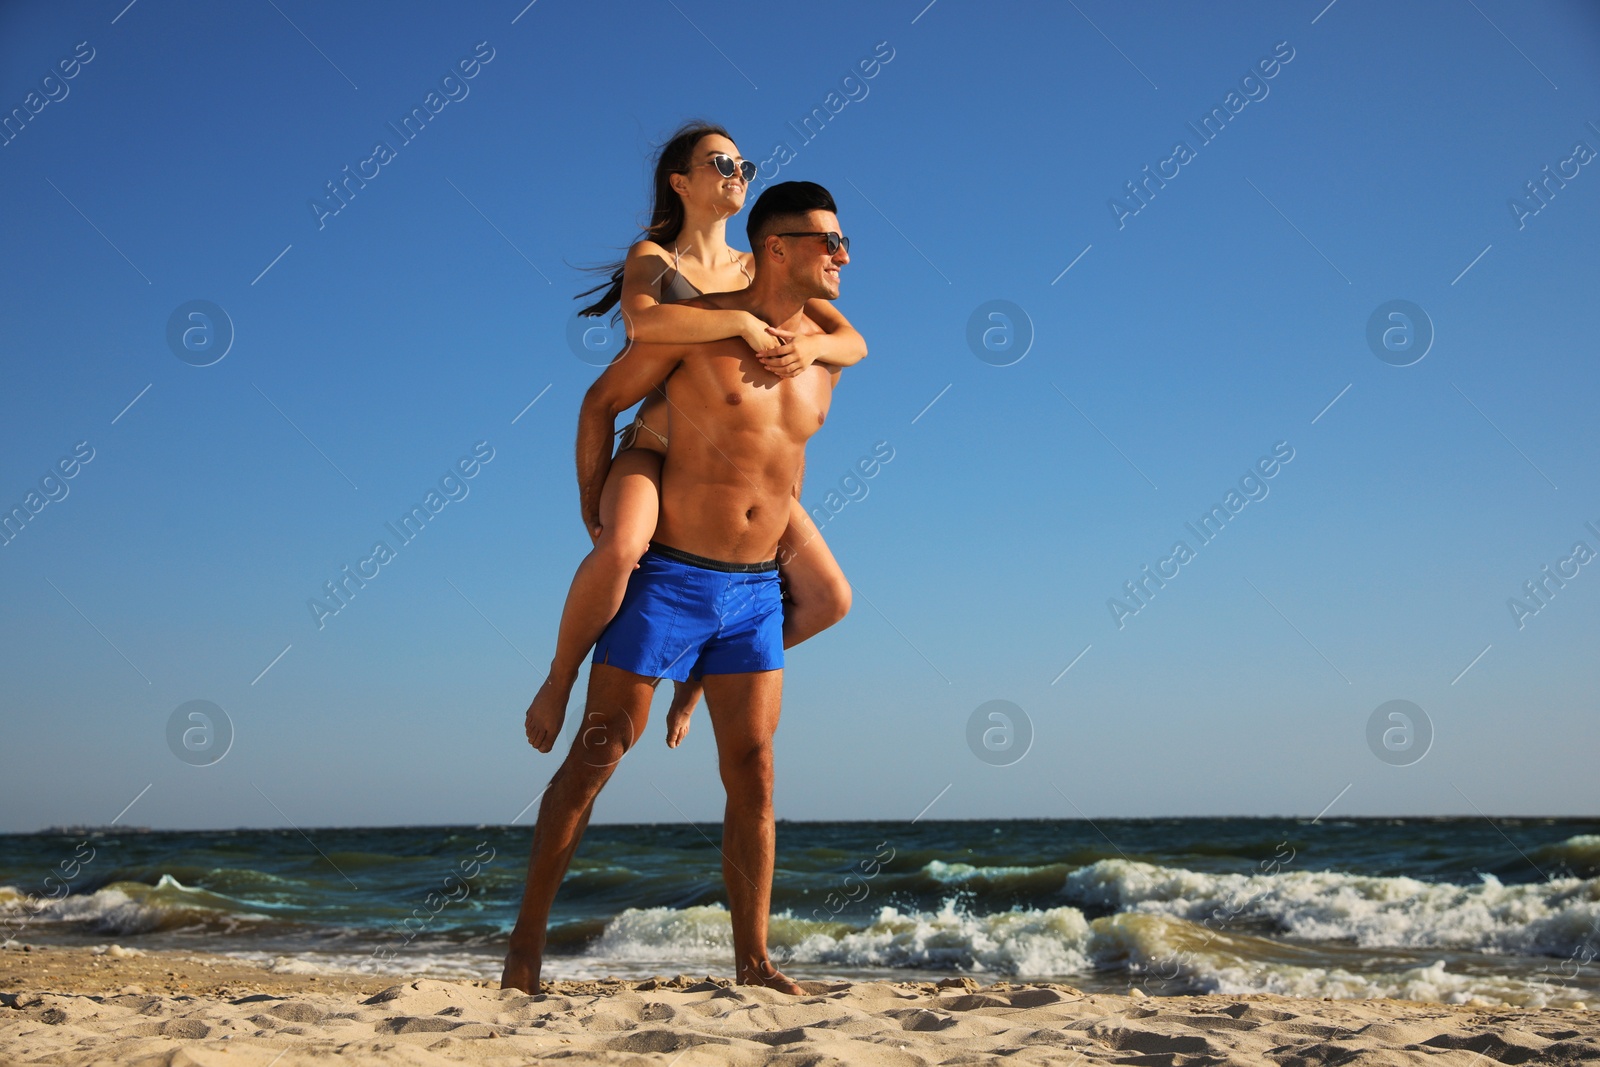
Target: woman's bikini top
[[679, 288]]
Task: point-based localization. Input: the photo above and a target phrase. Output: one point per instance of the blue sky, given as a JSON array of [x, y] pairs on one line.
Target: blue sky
[[374, 347]]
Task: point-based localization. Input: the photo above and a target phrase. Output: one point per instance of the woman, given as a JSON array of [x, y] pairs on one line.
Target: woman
[[700, 181]]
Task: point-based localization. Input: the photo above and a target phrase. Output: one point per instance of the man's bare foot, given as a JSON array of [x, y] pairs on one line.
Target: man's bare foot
[[685, 697], [546, 714], [763, 973], [521, 972]]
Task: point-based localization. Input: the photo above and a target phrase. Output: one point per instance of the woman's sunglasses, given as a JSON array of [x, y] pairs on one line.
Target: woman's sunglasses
[[835, 242], [727, 166]]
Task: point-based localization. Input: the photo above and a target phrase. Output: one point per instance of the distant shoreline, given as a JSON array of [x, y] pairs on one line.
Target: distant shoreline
[[68, 831]]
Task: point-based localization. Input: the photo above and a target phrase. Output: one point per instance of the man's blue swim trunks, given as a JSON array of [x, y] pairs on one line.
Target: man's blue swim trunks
[[685, 614]]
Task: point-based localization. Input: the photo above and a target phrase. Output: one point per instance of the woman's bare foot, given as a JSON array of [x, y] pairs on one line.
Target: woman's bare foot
[[521, 972], [685, 696], [546, 714], [763, 973]]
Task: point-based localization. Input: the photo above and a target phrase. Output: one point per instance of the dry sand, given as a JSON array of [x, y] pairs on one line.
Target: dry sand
[[74, 1006]]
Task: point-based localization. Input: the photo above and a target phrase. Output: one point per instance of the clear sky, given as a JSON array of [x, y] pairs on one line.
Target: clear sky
[[1169, 342]]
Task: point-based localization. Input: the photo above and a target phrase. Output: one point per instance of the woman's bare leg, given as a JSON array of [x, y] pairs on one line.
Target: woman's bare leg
[[630, 503], [685, 698], [819, 596], [819, 593], [685, 695]]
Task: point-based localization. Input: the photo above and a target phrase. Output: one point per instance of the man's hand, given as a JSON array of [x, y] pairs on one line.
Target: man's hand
[[793, 356]]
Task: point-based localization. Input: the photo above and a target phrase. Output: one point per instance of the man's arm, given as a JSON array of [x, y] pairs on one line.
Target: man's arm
[[641, 368]]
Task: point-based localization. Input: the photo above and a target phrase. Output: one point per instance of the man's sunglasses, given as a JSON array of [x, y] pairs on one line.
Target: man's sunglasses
[[835, 242], [727, 166]]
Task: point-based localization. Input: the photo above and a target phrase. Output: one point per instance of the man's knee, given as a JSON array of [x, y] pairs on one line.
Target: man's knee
[[596, 750], [748, 772], [581, 776]]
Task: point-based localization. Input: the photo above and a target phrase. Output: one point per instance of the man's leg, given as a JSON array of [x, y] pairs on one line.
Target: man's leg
[[744, 716], [614, 717]]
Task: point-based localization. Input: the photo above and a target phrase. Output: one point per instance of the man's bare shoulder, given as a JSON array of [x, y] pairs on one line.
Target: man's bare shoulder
[[807, 324]]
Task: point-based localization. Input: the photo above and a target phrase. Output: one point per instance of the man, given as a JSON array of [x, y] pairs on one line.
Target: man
[[705, 597]]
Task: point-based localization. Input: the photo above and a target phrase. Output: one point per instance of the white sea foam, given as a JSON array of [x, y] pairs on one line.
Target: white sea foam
[[1031, 941], [1057, 944], [964, 875], [1538, 919], [698, 933], [129, 907]]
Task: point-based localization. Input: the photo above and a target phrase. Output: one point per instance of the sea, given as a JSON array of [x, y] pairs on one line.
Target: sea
[[1455, 910]]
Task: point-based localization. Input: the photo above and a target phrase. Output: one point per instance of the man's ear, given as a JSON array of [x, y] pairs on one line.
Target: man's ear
[[774, 245]]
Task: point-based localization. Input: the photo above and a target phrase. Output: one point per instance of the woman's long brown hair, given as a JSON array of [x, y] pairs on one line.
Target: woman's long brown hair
[[666, 214]]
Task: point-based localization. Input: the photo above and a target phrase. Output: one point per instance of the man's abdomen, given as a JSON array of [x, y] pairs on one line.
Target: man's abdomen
[[725, 522]]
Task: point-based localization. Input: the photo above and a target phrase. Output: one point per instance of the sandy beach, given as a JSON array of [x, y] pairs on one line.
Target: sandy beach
[[106, 1005]]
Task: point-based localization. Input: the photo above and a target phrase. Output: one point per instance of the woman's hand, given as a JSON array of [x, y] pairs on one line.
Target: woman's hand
[[757, 334], [793, 355]]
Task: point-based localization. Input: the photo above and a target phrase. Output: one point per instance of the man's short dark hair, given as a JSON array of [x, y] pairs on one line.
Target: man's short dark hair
[[781, 202]]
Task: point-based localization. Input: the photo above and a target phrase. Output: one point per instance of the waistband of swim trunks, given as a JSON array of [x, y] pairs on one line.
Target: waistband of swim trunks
[[693, 560]]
